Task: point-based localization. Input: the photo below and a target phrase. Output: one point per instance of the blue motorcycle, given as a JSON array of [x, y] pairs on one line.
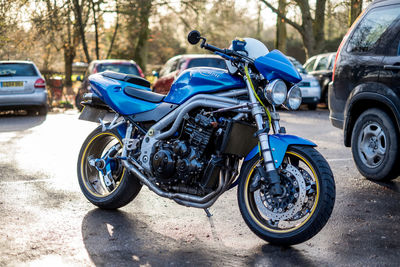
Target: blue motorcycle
[[216, 129]]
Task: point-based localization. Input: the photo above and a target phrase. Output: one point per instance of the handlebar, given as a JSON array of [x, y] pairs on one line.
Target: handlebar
[[194, 37]]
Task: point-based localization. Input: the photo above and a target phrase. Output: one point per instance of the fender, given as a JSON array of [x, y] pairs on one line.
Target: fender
[[279, 144], [366, 96]]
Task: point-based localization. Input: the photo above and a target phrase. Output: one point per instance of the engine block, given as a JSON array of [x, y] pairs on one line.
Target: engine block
[[183, 160]]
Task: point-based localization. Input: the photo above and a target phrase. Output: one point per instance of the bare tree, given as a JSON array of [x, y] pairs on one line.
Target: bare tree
[[80, 24], [311, 28], [115, 30], [355, 10], [56, 23], [281, 34]]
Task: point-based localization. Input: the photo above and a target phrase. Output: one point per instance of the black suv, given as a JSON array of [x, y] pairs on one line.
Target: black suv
[[364, 96]]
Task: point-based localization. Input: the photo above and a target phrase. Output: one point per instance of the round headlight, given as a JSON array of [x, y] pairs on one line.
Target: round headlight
[[276, 92], [293, 100]]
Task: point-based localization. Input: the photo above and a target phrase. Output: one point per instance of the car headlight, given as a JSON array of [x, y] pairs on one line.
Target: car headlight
[[314, 83], [276, 92], [293, 100]]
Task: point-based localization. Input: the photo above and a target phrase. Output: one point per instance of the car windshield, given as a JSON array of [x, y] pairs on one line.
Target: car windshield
[[207, 62], [298, 66], [17, 69], [121, 68]]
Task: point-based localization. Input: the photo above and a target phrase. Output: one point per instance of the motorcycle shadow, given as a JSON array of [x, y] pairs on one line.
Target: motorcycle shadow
[[271, 255], [118, 238]]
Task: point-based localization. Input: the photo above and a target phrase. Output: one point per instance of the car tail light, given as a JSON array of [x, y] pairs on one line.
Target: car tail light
[[40, 83], [343, 42], [140, 72]]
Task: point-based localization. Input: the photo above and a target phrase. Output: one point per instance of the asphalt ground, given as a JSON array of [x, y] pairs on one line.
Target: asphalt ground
[[46, 221]]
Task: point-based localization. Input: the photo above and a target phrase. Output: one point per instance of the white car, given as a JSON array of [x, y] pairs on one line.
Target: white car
[[22, 87], [309, 86]]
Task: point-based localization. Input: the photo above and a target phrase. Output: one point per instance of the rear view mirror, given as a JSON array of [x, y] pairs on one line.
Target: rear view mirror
[[194, 37]]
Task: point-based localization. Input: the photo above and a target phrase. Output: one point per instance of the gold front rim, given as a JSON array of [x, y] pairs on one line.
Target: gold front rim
[[250, 210]]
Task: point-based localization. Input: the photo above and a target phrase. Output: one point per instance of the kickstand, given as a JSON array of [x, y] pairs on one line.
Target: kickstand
[[208, 213]]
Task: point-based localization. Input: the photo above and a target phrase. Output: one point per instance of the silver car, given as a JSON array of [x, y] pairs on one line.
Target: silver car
[[309, 86], [22, 87]]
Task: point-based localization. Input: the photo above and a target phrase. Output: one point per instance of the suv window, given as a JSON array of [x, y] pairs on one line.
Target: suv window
[[398, 50], [322, 63], [17, 69], [310, 65], [371, 28]]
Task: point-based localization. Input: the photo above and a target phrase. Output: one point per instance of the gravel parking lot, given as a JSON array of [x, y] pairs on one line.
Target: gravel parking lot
[[45, 220]]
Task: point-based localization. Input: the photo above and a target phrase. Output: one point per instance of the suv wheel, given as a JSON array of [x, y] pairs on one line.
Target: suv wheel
[[374, 145]]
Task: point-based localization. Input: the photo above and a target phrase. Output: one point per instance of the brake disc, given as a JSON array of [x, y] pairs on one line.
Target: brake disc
[[291, 210]]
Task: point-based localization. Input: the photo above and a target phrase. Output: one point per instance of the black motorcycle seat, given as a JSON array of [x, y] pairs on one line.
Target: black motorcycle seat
[[127, 78], [144, 94]]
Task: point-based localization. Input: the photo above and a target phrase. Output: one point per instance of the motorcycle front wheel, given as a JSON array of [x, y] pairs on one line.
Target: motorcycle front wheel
[[303, 208], [102, 178]]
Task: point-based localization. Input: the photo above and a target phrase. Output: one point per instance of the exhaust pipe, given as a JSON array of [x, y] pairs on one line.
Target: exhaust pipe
[[186, 198]]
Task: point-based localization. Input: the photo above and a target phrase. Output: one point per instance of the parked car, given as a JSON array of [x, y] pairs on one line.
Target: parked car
[[177, 64], [22, 86], [116, 65], [320, 66], [309, 86], [364, 96]]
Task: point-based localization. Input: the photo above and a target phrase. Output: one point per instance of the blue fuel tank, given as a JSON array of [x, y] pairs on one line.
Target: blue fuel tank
[[201, 80]]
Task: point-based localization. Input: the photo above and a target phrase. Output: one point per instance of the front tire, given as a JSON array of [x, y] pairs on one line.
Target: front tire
[[374, 145], [304, 208], [111, 191]]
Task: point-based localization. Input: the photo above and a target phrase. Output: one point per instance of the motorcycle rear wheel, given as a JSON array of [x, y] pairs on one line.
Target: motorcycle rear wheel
[[305, 207], [124, 187]]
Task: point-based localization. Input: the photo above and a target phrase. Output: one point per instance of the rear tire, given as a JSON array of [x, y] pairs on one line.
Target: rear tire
[[303, 216], [92, 182], [374, 145]]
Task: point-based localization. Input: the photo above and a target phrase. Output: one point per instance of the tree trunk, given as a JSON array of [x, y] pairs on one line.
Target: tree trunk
[[81, 27], [96, 29], [115, 32], [311, 30], [69, 55], [281, 34], [355, 10], [140, 54], [259, 22]]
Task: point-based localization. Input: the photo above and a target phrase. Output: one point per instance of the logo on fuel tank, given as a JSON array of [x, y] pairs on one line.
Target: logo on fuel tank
[[210, 73]]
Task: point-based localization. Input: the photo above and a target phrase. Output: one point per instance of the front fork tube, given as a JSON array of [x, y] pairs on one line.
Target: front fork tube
[[269, 173]]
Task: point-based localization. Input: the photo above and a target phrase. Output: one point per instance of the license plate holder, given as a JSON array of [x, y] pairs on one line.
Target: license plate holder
[[92, 114]]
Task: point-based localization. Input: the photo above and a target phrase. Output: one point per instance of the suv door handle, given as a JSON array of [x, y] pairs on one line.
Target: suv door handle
[[391, 67]]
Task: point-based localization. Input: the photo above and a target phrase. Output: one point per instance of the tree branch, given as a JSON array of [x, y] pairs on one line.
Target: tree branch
[[295, 25]]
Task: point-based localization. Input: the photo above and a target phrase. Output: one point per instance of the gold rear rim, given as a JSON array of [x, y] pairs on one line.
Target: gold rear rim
[[93, 179]]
